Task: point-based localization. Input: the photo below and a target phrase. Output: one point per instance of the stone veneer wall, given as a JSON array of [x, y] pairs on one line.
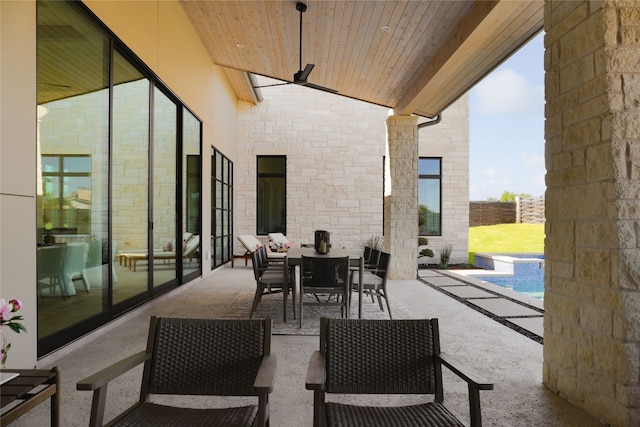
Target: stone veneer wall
[[401, 221], [335, 148], [449, 139], [592, 297]]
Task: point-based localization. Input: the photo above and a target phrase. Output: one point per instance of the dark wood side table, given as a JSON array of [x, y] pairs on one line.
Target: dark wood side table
[[30, 388]]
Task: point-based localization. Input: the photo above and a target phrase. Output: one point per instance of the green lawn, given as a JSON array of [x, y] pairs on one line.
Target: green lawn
[[507, 238]]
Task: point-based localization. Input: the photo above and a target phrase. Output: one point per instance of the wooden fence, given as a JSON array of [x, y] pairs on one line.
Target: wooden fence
[[529, 211]]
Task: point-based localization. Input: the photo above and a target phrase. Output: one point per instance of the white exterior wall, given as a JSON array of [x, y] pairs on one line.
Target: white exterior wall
[[18, 172], [335, 148], [449, 139]]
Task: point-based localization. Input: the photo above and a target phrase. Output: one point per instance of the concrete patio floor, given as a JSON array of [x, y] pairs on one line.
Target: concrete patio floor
[[502, 355]]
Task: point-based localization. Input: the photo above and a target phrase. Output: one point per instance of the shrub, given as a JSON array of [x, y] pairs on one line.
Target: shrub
[[445, 254], [423, 241]]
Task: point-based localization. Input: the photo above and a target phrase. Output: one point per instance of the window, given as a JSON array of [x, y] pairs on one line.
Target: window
[[66, 194], [272, 195], [221, 208], [429, 196]]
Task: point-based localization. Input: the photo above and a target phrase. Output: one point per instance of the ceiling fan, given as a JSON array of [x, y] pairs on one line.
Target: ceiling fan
[[300, 78]]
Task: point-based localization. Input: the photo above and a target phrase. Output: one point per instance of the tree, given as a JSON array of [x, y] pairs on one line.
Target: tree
[[508, 196]]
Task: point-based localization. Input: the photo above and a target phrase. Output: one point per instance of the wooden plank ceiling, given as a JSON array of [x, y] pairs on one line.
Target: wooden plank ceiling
[[416, 57]]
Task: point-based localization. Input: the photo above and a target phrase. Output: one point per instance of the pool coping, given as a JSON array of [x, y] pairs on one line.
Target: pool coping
[[515, 310]]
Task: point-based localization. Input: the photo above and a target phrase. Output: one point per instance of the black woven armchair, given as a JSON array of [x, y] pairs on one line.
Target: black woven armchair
[[364, 356], [209, 357]]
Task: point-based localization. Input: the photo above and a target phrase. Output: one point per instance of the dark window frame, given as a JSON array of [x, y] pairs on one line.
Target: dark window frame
[[60, 176], [225, 179], [432, 177], [260, 230]]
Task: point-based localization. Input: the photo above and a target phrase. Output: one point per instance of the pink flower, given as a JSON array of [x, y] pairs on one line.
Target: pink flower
[[17, 305], [5, 310]]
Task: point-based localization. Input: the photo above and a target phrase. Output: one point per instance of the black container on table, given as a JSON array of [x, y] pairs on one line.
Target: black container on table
[[322, 241]]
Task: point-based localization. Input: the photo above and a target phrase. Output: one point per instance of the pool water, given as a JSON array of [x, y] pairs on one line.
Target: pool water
[[523, 274]]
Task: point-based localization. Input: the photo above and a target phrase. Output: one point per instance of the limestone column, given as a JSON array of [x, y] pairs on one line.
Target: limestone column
[[592, 249], [401, 206]]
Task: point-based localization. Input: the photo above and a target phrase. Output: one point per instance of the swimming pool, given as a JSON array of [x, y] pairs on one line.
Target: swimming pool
[[523, 273]]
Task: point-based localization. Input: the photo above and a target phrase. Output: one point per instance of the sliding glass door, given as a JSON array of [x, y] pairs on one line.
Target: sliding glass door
[[118, 206], [130, 178]]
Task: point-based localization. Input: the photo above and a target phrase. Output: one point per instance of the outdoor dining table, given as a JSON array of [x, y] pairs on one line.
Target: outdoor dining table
[[294, 257]]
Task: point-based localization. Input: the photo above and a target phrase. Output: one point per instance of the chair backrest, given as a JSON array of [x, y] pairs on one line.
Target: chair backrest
[[325, 272], [192, 244], [366, 356], [262, 257], [75, 257], [367, 254], [276, 239], [255, 262], [50, 260], [205, 356], [259, 261], [375, 257], [250, 243], [383, 265]]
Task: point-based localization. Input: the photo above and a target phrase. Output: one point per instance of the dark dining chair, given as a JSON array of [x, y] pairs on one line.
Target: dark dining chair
[[374, 281], [273, 279], [400, 357], [206, 357], [327, 277]]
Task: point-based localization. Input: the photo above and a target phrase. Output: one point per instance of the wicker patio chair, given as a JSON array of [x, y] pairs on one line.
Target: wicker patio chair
[[365, 356], [208, 357]]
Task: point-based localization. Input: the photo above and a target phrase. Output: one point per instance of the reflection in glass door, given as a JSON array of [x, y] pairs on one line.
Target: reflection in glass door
[[130, 187], [191, 179], [165, 252], [110, 188]]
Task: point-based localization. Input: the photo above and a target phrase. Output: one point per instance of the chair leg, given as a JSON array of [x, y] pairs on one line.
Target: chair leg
[[386, 299], [293, 299], [285, 295], [301, 306], [256, 300]]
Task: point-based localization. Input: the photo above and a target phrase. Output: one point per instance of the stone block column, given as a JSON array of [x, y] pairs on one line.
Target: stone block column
[[401, 212], [592, 248]]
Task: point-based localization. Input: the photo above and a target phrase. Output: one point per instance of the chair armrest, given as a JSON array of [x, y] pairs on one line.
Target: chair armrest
[[266, 374], [103, 377], [465, 372], [316, 372], [475, 383]]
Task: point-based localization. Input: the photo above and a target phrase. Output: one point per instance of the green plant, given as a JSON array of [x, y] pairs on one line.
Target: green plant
[[445, 254], [423, 241], [374, 242]]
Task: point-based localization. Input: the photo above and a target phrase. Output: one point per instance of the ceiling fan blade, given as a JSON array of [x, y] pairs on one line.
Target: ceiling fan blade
[[272, 85], [322, 88]]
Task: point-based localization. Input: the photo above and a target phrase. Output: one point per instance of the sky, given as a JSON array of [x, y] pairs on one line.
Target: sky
[[506, 127]]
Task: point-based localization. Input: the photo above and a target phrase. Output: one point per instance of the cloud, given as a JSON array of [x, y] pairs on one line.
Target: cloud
[[533, 161], [505, 91]]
